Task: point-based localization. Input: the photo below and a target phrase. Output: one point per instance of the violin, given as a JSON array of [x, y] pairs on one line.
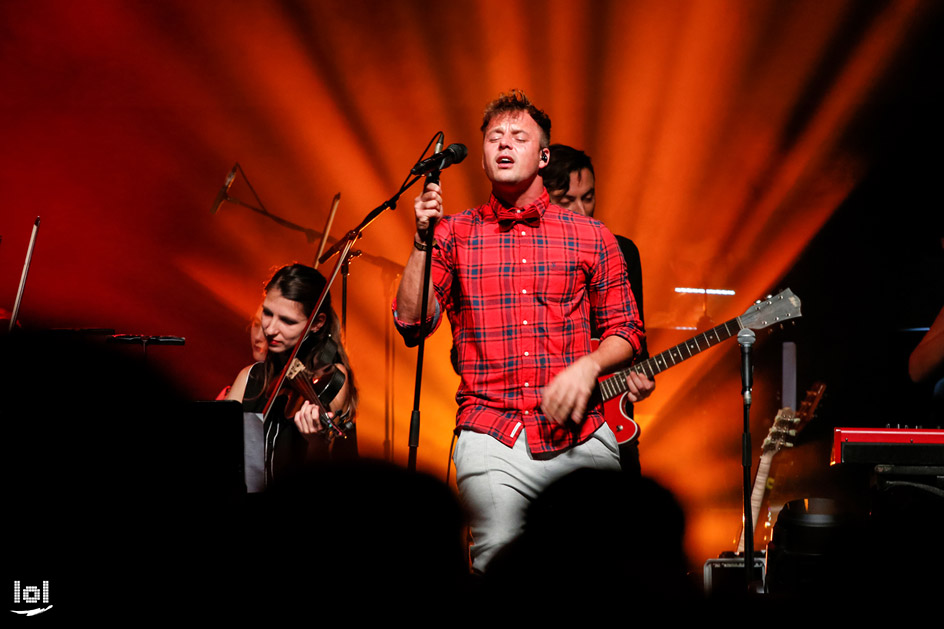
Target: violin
[[318, 387]]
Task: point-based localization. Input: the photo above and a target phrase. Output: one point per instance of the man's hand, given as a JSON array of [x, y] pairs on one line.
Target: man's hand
[[428, 207], [640, 387], [567, 394]]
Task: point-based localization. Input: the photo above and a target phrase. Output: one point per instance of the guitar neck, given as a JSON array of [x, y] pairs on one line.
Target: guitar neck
[[616, 384], [757, 494]]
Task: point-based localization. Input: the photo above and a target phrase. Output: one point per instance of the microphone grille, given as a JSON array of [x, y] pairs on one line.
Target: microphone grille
[[459, 151]]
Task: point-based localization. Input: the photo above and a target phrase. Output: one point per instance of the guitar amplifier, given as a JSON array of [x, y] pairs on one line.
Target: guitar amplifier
[[724, 576]]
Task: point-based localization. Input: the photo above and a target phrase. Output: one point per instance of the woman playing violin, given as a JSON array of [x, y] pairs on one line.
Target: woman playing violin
[[290, 297]]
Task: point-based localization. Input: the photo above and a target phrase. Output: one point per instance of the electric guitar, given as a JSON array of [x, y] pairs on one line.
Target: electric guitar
[[766, 312], [786, 426]]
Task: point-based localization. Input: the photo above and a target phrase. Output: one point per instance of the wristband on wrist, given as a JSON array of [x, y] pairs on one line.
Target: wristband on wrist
[[421, 246]]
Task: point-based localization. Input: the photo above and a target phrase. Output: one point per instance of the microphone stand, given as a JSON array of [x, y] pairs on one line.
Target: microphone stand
[[389, 354], [310, 234], [421, 348], [346, 241], [146, 341], [746, 339], [431, 177], [356, 233]]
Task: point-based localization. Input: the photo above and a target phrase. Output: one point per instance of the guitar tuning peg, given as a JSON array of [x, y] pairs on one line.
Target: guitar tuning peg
[[757, 302], [770, 296]]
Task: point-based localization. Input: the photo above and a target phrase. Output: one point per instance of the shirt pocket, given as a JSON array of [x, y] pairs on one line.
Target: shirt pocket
[[561, 283]]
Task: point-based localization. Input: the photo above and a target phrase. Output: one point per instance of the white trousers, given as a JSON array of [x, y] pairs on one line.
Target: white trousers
[[497, 483]]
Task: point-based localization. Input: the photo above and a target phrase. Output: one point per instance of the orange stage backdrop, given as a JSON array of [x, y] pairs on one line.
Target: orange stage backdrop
[[719, 130]]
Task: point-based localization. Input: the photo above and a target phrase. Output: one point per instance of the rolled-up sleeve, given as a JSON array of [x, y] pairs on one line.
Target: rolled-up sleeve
[[413, 331], [611, 300]]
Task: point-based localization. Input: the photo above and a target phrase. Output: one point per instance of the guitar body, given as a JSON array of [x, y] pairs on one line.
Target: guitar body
[[620, 421], [617, 412]]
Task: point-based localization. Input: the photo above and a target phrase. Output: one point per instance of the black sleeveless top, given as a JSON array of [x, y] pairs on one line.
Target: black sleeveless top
[[286, 449]]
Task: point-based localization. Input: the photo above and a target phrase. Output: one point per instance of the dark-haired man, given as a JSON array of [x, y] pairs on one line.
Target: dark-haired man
[[521, 279], [571, 184]]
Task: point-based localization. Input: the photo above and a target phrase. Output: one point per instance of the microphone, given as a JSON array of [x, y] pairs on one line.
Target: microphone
[[453, 154], [432, 175], [226, 186], [746, 339]]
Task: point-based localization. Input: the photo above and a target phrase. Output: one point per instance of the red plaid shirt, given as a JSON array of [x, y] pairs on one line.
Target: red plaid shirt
[[520, 300]]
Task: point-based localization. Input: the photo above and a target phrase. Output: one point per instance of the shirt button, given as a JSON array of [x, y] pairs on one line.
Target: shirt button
[[524, 233], [524, 291], [527, 384], [524, 261], [525, 322], [527, 412]]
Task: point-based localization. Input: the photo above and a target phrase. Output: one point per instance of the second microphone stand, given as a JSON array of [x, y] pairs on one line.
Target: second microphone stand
[[746, 339]]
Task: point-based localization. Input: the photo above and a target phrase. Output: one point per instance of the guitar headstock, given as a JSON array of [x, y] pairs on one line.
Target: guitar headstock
[[776, 309], [809, 404], [788, 424], [781, 432]]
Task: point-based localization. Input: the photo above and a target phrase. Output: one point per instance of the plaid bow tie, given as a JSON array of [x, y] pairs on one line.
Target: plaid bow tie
[[508, 217]]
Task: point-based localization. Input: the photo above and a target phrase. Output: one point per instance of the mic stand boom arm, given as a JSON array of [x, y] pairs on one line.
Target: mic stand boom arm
[[357, 232]]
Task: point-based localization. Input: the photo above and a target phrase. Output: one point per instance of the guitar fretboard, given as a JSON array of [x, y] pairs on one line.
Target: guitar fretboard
[[758, 492], [616, 383]]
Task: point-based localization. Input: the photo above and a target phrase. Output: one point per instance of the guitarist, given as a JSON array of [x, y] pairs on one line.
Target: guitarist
[[520, 280], [571, 184]]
